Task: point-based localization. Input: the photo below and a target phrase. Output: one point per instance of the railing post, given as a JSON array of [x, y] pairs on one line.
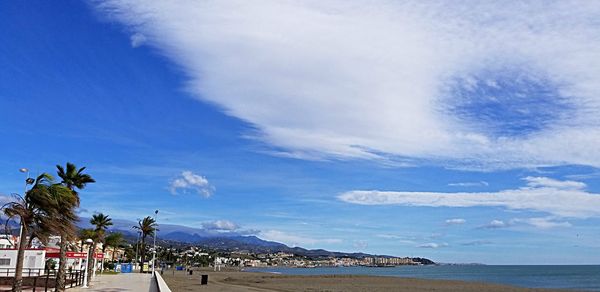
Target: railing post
[[46, 285]]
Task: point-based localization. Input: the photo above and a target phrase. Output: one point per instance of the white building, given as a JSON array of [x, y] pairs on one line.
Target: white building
[[6, 241], [33, 263]]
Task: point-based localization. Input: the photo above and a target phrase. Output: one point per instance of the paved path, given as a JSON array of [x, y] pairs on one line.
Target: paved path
[[120, 283]]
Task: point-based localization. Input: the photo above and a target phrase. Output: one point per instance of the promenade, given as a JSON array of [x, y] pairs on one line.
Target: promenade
[[120, 283]]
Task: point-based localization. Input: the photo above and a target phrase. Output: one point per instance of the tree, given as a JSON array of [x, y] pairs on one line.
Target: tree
[[112, 240], [73, 179], [102, 222], [147, 226], [37, 211]]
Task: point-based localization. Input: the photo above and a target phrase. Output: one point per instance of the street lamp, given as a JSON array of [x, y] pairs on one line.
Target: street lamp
[[87, 258], [154, 251], [137, 244], [28, 181]]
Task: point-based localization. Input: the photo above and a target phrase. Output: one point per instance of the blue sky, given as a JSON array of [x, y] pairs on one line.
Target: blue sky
[[378, 127]]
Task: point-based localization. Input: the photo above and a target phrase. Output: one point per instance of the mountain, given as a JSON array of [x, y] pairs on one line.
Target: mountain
[[226, 240]]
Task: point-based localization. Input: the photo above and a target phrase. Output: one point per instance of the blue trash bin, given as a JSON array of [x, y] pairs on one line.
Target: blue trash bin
[[126, 268]]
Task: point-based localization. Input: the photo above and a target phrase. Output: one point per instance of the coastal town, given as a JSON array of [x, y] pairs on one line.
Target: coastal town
[[42, 257], [198, 257]]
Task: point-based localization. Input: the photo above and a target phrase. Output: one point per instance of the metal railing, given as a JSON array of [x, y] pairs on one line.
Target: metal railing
[[44, 280], [27, 272], [72, 279]]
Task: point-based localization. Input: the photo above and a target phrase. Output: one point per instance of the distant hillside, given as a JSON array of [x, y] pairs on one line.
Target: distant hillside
[[227, 241]]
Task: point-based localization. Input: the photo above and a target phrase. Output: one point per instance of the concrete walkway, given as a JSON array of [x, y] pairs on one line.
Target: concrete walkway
[[120, 283]]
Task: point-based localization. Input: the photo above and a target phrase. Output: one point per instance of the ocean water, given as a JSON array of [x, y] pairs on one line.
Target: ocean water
[[584, 277]]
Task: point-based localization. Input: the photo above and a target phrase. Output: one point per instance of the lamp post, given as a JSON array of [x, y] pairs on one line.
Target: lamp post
[[28, 181], [137, 244], [87, 258], [154, 250]]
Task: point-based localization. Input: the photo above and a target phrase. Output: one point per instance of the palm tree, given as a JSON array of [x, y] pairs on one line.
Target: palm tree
[[112, 240], [37, 212], [102, 222], [72, 178], [147, 226]]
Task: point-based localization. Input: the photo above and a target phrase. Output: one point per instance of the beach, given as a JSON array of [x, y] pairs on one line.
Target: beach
[[234, 280]]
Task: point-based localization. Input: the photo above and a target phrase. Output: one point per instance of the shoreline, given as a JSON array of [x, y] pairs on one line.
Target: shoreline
[[236, 280]]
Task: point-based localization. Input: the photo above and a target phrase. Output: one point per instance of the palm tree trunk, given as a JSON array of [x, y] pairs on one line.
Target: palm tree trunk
[[18, 280], [113, 255], [90, 263], [62, 265], [143, 252]]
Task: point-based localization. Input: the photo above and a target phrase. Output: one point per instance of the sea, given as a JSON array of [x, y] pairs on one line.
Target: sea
[[577, 277]]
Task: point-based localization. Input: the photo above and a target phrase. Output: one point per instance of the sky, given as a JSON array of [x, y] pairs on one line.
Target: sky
[[461, 133]]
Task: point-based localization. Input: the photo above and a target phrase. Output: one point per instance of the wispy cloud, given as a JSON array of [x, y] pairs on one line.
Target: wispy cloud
[[581, 176], [469, 184], [137, 39], [543, 222], [224, 225], [456, 221], [191, 182], [561, 198], [553, 183], [432, 245], [476, 242], [495, 224], [485, 85]]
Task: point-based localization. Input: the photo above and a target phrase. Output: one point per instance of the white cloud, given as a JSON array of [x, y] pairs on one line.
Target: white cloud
[[456, 221], [469, 184], [432, 245], [296, 240], [476, 242], [496, 224], [372, 79], [191, 182], [560, 198], [552, 183], [543, 222], [137, 39], [223, 225], [389, 236]]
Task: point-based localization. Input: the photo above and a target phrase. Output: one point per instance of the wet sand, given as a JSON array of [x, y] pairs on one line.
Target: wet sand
[[232, 280]]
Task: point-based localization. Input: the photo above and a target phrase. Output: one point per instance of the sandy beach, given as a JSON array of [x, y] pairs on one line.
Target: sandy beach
[[232, 280]]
